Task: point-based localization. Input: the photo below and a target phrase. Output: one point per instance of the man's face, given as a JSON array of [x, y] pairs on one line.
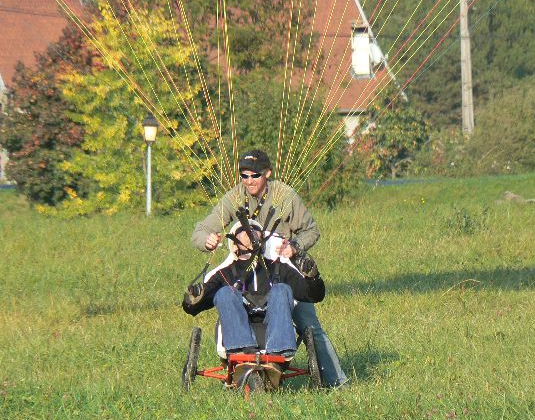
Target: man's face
[[254, 182]]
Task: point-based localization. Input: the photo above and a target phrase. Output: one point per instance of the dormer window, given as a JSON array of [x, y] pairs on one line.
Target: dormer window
[[366, 56], [360, 55]]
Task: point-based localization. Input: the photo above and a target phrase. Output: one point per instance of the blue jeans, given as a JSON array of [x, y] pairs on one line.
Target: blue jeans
[[304, 315], [237, 333]]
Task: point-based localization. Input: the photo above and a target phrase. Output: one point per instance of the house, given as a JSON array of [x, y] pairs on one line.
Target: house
[[27, 27]]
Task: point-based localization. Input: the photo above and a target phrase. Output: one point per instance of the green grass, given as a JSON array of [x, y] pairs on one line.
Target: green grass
[[430, 305]]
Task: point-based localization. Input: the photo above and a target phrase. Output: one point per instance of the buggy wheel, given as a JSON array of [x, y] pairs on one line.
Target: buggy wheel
[[190, 367], [313, 366], [256, 383]]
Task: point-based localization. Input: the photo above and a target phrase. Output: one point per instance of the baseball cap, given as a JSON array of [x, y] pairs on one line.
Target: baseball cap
[[255, 160]]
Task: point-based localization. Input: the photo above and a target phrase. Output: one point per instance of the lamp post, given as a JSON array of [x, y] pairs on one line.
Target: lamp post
[[150, 128]]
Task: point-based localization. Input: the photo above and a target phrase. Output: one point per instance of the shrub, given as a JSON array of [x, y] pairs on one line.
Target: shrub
[[466, 222]]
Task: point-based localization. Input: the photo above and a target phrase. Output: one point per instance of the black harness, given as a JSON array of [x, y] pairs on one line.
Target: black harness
[[256, 212]]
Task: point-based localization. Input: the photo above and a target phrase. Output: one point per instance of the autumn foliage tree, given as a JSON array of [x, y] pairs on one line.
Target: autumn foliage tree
[[36, 130]]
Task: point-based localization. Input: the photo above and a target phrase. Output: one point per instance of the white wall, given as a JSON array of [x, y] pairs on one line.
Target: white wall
[[3, 153], [351, 123]]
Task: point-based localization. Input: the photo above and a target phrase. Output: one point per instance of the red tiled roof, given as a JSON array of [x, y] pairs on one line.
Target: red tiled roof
[[27, 27]]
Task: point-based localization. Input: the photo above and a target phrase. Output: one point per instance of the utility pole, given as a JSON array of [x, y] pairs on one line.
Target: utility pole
[[466, 73]]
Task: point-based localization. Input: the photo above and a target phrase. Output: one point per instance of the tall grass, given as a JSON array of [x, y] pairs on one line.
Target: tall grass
[[430, 306]]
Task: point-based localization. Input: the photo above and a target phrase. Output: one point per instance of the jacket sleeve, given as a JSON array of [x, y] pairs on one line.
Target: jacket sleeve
[[195, 305], [302, 225], [304, 289], [220, 217]]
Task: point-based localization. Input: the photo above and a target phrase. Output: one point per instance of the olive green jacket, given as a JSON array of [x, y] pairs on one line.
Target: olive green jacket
[[296, 222]]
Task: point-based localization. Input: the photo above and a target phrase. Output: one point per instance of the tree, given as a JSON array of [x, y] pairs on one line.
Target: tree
[[36, 131], [112, 155], [503, 52], [395, 131], [257, 31]]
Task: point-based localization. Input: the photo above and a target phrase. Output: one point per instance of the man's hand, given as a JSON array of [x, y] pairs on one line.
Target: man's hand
[[285, 249], [212, 241]]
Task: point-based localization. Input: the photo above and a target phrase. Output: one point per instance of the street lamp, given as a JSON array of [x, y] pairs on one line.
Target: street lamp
[[150, 128]]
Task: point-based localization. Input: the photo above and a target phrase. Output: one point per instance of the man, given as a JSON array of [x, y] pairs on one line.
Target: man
[[268, 286], [258, 194]]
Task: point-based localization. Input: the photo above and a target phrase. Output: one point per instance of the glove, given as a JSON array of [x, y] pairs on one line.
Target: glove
[[194, 294], [298, 251], [307, 266]]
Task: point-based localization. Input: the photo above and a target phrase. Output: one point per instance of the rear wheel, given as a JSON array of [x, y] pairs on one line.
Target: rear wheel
[[190, 367], [313, 366]]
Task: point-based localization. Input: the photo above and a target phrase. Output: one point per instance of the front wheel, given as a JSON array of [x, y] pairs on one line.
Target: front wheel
[[256, 383], [189, 372], [313, 366]]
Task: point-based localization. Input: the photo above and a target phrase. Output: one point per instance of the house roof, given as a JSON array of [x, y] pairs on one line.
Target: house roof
[[345, 93], [26, 28]]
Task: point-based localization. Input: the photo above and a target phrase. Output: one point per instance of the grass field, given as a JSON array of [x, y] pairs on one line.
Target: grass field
[[430, 305]]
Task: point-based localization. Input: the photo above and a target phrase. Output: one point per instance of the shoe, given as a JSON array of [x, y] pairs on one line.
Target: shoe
[[273, 372]]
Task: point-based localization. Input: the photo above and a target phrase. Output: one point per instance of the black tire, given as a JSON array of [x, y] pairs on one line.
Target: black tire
[[190, 367], [256, 383], [313, 366]]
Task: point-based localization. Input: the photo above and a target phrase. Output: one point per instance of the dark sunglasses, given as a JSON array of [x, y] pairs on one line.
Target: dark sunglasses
[[256, 175]]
